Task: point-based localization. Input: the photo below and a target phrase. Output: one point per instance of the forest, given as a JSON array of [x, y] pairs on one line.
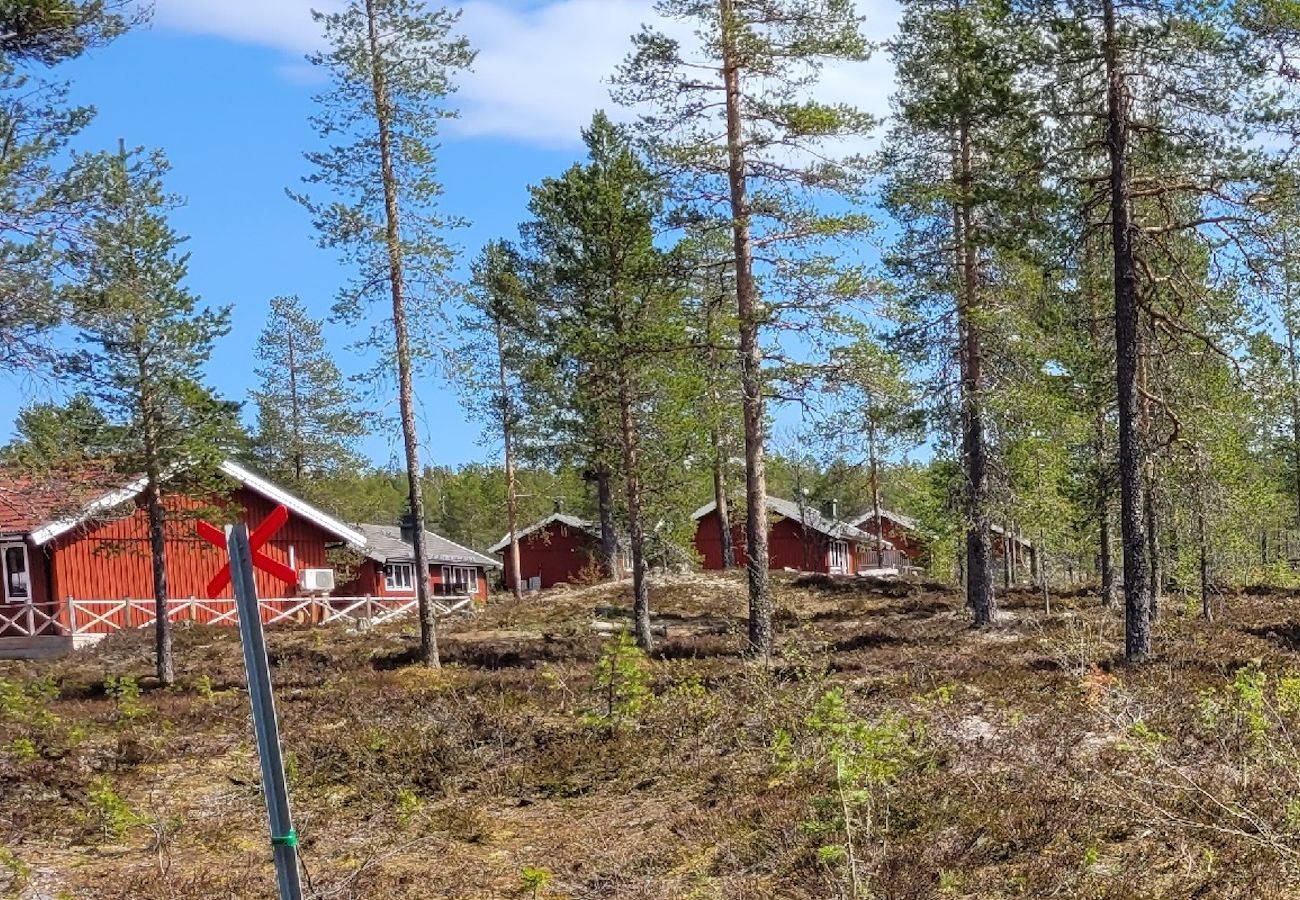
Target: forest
[[1051, 292]]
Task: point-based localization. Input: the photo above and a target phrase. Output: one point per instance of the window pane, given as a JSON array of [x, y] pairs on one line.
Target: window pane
[[16, 584]]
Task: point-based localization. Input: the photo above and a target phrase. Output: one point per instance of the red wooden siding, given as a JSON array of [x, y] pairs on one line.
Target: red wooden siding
[[556, 554], [906, 541], [370, 581], [111, 560], [788, 546]]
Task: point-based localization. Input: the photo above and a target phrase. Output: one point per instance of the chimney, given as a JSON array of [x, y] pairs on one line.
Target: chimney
[[408, 528], [835, 510], [559, 505]]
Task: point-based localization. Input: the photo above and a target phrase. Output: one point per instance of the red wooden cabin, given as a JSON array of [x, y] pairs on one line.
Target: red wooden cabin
[[560, 549], [388, 569], [799, 538], [900, 530], [71, 540]]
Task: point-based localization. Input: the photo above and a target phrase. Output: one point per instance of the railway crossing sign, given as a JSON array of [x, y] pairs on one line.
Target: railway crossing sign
[[256, 540], [244, 554]]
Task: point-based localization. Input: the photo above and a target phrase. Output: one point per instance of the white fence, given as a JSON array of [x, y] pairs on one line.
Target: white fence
[[82, 617]]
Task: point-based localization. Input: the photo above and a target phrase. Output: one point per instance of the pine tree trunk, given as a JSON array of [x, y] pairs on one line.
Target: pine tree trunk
[[874, 461], [751, 353], [295, 409], [608, 533], [166, 666], [720, 502], [979, 555], [512, 487], [1137, 624], [1204, 560], [406, 391], [1293, 371], [1155, 585], [632, 482]]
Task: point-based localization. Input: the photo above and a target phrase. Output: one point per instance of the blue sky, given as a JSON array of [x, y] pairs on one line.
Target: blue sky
[[222, 87]]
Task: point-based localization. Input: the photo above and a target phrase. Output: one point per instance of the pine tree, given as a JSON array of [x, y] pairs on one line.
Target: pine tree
[[750, 80], [501, 323], [609, 304], [959, 158], [51, 435], [1178, 97], [392, 64], [44, 198], [308, 423], [146, 341]]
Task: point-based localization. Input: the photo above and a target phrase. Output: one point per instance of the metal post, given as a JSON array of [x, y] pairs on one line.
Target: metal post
[[284, 840]]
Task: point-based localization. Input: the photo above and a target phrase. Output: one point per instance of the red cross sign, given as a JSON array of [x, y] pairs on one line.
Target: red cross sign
[[270, 525]]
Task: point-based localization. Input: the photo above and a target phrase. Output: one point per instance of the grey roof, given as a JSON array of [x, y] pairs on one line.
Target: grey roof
[[808, 516], [906, 521], [384, 544], [562, 518]]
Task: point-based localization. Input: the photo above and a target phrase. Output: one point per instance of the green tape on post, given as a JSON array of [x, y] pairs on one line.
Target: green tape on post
[[285, 840]]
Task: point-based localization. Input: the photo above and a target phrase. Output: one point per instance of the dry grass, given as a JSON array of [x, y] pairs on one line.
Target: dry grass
[[1034, 765]]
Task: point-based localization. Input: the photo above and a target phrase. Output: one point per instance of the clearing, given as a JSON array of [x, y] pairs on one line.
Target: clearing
[[889, 752]]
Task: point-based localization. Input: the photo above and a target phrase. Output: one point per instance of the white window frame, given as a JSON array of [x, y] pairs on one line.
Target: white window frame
[[838, 549], [449, 577], [393, 583], [4, 570]]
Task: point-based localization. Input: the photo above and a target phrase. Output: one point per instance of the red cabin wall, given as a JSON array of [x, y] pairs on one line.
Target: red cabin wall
[[111, 560], [556, 554], [786, 546], [906, 541]]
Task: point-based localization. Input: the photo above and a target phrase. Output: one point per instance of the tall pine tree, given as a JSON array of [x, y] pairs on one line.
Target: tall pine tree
[[391, 63]]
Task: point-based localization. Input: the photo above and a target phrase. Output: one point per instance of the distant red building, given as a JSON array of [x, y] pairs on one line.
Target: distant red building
[[75, 536], [388, 569], [900, 530], [560, 549], [799, 538]]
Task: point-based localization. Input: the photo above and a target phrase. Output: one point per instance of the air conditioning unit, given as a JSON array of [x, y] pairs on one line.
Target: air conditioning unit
[[316, 580]]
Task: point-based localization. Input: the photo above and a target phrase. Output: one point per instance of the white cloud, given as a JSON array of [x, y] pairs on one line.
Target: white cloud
[[542, 69], [541, 73], [284, 24]]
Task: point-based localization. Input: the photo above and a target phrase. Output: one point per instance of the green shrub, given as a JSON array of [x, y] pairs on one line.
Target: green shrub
[[109, 812], [621, 682], [125, 692], [535, 879]]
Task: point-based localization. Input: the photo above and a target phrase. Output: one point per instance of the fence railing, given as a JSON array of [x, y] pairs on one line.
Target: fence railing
[[880, 559], [81, 617]]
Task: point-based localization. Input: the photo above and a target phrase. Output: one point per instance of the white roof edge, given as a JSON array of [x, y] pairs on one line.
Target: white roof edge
[[49, 532], [301, 507]]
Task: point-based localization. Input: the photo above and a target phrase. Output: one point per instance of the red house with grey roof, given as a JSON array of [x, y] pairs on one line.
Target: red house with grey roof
[[560, 549], [388, 566], [800, 538]]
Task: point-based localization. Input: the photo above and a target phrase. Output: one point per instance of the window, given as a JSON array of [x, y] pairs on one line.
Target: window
[[459, 580], [399, 577], [839, 557], [17, 584]]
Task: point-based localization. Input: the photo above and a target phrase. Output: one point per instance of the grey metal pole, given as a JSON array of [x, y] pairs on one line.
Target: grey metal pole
[[284, 840]]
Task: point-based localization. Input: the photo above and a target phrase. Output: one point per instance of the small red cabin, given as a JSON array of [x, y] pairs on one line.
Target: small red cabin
[[75, 539], [799, 538], [388, 569], [560, 549], [899, 530]]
